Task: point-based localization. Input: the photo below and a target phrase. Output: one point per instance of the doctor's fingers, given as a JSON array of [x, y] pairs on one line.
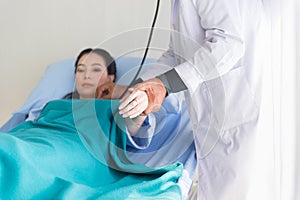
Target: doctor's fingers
[[147, 87], [154, 83]]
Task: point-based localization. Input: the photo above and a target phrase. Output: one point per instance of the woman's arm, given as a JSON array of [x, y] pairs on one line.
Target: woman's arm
[[134, 124], [140, 128], [140, 131]]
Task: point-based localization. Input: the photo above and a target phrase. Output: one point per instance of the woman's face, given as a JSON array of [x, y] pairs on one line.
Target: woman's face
[[91, 71]]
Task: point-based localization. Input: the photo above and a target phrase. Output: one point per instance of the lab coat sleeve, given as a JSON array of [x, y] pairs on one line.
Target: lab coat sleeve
[[222, 47], [168, 56], [142, 139]]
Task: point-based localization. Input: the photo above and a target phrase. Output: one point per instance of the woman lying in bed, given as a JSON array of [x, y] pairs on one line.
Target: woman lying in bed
[[76, 149], [94, 67]]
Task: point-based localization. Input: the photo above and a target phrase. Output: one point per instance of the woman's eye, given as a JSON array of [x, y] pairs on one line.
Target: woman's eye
[[80, 70], [97, 70]]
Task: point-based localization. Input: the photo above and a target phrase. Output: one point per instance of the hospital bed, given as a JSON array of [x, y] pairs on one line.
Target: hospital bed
[[174, 141]]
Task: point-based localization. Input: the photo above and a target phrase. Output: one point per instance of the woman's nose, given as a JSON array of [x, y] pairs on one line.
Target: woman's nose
[[87, 75]]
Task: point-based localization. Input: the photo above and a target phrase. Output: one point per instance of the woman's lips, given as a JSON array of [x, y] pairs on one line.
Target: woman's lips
[[87, 85]]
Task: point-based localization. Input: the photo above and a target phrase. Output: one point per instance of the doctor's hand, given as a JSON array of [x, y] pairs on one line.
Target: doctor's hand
[[156, 93], [133, 103], [110, 90]]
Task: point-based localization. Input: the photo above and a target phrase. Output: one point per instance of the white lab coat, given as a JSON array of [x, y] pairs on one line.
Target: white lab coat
[[216, 50]]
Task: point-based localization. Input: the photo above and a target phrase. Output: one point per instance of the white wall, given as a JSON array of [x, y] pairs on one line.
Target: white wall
[[297, 189], [35, 33]]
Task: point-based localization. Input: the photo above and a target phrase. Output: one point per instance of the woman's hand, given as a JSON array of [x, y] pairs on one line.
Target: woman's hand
[[153, 90], [133, 103], [110, 90]]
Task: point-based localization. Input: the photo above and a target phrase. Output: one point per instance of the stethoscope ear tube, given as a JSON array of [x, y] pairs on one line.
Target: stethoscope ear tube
[[146, 50]]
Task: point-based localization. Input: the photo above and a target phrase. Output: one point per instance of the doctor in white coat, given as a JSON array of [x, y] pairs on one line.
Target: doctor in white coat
[[214, 56]]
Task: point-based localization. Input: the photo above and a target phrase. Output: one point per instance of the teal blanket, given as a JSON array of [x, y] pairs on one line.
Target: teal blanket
[[77, 150]]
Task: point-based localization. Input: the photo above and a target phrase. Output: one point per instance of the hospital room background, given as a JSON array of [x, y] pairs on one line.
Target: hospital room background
[[34, 34]]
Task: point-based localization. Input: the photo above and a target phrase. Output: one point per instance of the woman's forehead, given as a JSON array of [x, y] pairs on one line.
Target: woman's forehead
[[92, 58]]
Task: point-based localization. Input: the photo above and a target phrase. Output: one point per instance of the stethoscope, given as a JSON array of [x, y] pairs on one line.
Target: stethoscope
[[146, 50]]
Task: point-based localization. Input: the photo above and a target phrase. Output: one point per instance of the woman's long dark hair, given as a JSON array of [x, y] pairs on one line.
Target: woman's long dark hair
[[109, 61]]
